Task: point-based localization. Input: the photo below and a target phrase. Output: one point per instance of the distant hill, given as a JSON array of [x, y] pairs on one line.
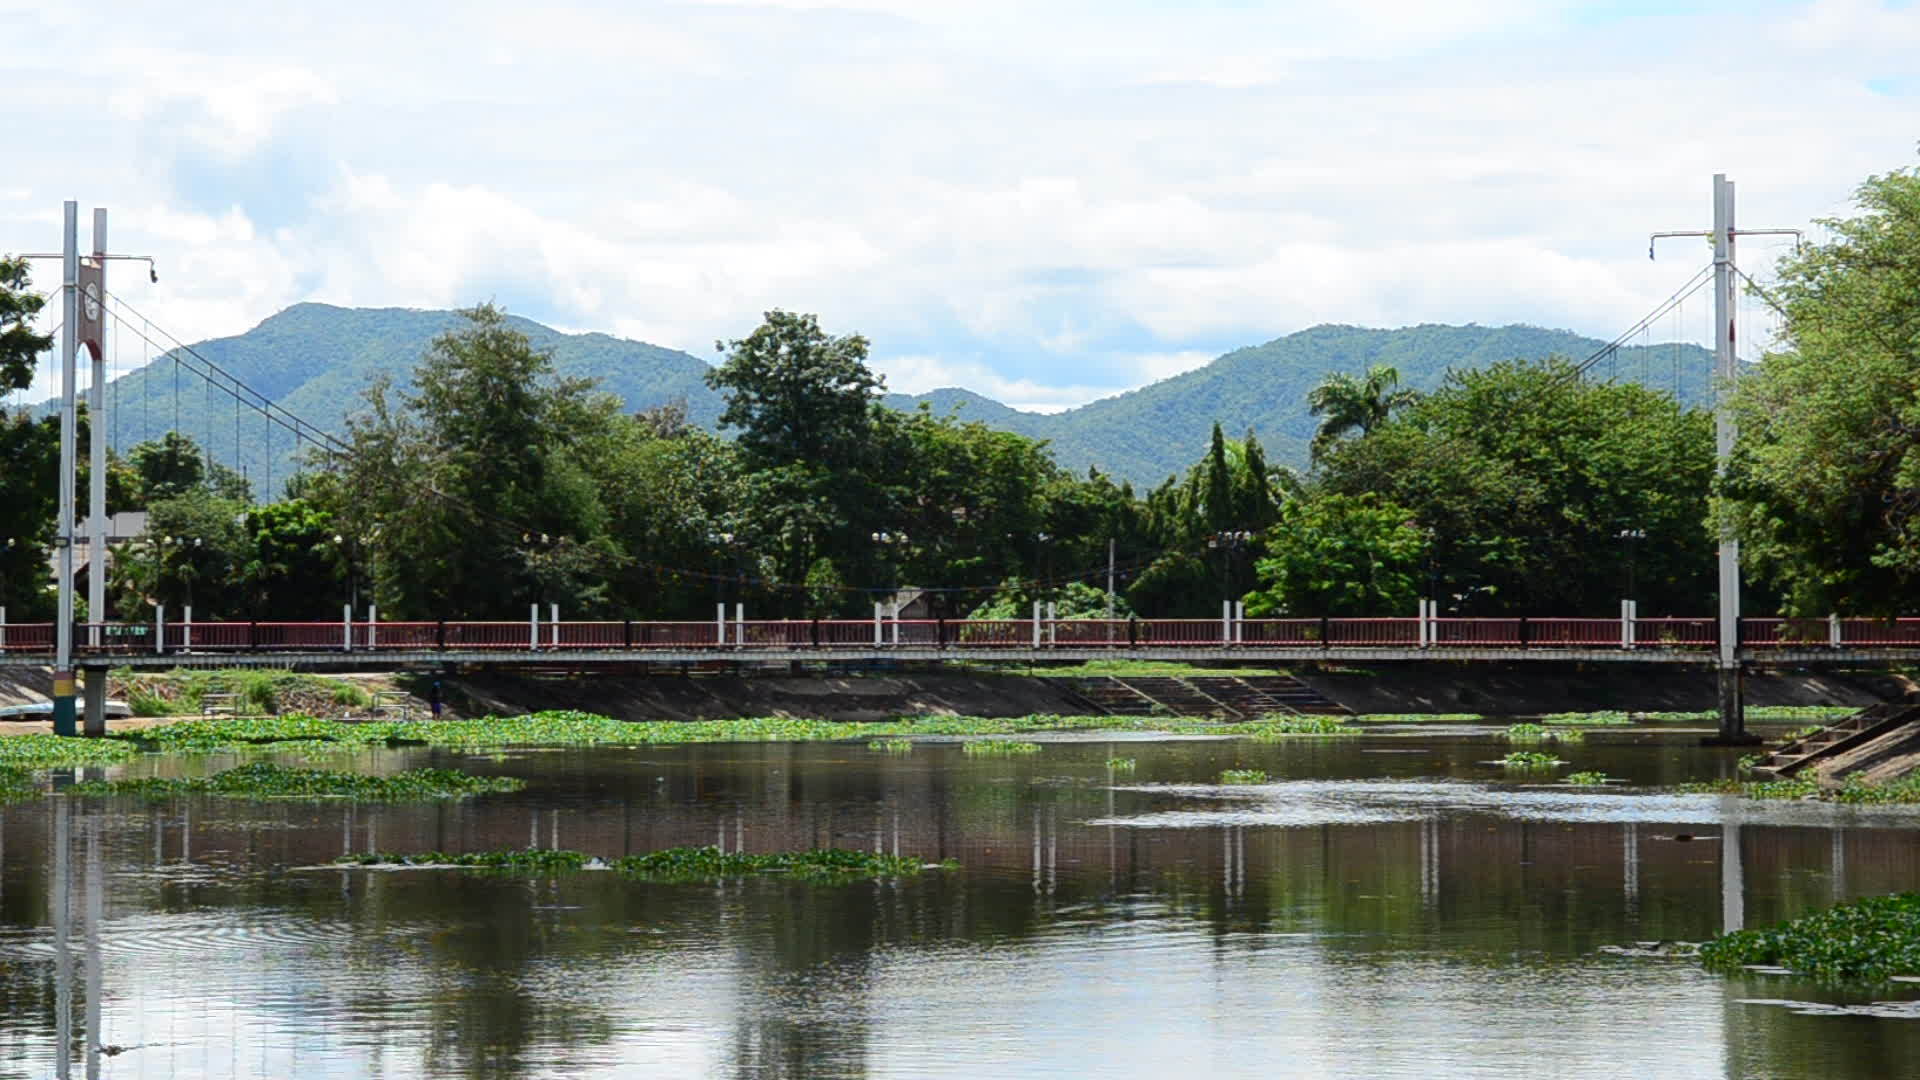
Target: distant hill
[[315, 359]]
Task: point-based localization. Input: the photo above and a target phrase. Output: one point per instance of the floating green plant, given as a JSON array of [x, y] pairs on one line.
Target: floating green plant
[[1586, 779], [1243, 776], [1853, 792], [1281, 725], [892, 746], [1523, 733], [1871, 939], [43, 751], [824, 865], [265, 780], [1121, 764], [998, 748], [1589, 719], [1530, 759], [1420, 718]]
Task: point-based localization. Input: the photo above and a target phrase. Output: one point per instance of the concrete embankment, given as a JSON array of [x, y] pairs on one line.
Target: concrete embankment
[[1535, 687]]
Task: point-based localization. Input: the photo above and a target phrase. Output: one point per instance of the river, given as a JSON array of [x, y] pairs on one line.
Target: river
[[1387, 905]]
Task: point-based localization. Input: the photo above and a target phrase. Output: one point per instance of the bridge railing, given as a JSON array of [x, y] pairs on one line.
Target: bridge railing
[[1880, 633], [1675, 633]]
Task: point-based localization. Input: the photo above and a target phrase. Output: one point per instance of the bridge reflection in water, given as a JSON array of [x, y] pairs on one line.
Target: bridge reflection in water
[[1380, 914]]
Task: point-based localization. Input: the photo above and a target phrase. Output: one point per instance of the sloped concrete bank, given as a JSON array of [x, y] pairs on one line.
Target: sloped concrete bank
[[717, 697], [1534, 687]]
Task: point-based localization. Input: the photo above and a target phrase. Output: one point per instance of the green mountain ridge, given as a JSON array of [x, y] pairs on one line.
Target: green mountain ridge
[[314, 360]]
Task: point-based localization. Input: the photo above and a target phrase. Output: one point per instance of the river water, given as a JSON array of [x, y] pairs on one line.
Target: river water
[[1385, 906]]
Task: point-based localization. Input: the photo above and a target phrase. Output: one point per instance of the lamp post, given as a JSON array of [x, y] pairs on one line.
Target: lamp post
[[1631, 538], [888, 543], [1227, 543]]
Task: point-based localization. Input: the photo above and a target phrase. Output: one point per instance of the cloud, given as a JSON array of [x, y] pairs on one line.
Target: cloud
[[1043, 204]]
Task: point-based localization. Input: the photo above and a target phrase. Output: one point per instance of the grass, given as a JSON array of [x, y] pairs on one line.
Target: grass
[[998, 748], [1533, 733], [1870, 940], [892, 746], [261, 691], [265, 780], [1243, 776], [1121, 764], [1586, 779], [677, 864], [1530, 759]]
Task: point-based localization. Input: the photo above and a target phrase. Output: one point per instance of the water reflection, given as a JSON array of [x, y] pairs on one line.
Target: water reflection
[[1366, 914]]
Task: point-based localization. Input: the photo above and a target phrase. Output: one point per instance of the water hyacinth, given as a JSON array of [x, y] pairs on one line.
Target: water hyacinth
[[1586, 779], [1243, 776], [1871, 939], [892, 746], [677, 864], [1524, 733], [1121, 764], [1281, 725], [1530, 759], [265, 780], [998, 748], [43, 751]]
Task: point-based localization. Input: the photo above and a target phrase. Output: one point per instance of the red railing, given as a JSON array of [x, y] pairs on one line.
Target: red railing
[[782, 635]]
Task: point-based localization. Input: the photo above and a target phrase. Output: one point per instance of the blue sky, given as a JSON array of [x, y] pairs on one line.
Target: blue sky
[[1044, 202]]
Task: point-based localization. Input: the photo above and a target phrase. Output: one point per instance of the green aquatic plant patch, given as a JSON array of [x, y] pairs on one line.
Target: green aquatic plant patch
[[1530, 759], [999, 748], [1753, 789], [1854, 792], [1281, 725], [1871, 940], [42, 751], [1121, 764], [1591, 719], [1534, 733], [677, 864], [892, 746], [265, 780], [1586, 779], [1243, 776], [1420, 718]]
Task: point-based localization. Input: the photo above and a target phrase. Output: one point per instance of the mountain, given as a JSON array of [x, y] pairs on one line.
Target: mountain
[[315, 359]]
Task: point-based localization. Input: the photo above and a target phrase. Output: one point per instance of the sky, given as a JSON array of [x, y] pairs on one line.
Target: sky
[[1043, 202]]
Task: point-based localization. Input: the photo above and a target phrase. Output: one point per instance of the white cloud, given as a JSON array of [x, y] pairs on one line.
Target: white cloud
[[1040, 203]]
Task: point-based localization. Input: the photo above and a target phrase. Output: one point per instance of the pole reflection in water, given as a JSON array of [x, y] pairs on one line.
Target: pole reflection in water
[[62, 911], [1733, 889]]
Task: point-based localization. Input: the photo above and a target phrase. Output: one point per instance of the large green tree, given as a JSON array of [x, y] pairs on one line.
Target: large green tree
[[1352, 555], [1350, 405], [29, 453], [1824, 490], [467, 495], [1525, 478]]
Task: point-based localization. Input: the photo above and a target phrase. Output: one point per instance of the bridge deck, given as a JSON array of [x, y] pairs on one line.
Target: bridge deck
[[401, 644]]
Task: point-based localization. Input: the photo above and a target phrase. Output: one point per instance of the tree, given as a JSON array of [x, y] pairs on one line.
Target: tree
[[1824, 487], [795, 394], [29, 453], [1348, 555], [293, 562], [471, 495], [197, 548], [1351, 405], [1525, 475]]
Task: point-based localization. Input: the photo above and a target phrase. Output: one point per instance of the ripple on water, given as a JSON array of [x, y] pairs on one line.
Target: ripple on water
[[1304, 803], [199, 934]]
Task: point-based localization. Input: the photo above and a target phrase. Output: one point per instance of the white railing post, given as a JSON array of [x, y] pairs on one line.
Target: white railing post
[[896, 623], [739, 623], [720, 622], [346, 627], [878, 608], [553, 625], [1239, 621], [1036, 624], [1053, 623], [159, 629], [3, 628], [373, 620], [1833, 630], [1426, 623], [1626, 624], [186, 645], [533, 627]]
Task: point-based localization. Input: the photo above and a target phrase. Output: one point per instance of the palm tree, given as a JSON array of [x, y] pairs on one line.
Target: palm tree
[[1350, 404]]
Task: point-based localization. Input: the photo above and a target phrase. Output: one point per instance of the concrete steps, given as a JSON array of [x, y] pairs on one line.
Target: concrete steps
[[1219, 697], [1296, 695], [1113, 697], [1841, 739]]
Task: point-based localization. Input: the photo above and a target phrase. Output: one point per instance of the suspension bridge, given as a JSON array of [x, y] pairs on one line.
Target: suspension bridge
[[1724, 641]]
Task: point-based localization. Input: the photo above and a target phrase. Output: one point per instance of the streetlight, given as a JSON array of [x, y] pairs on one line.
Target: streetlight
[[1227, 543], [887, 541], [1631, 537]]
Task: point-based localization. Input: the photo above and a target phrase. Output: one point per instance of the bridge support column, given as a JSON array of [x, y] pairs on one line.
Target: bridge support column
[[94, 695], [1733, 711]]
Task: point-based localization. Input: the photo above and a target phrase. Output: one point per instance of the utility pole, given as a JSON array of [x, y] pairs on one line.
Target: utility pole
[[1726, 368], [83, 291]]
